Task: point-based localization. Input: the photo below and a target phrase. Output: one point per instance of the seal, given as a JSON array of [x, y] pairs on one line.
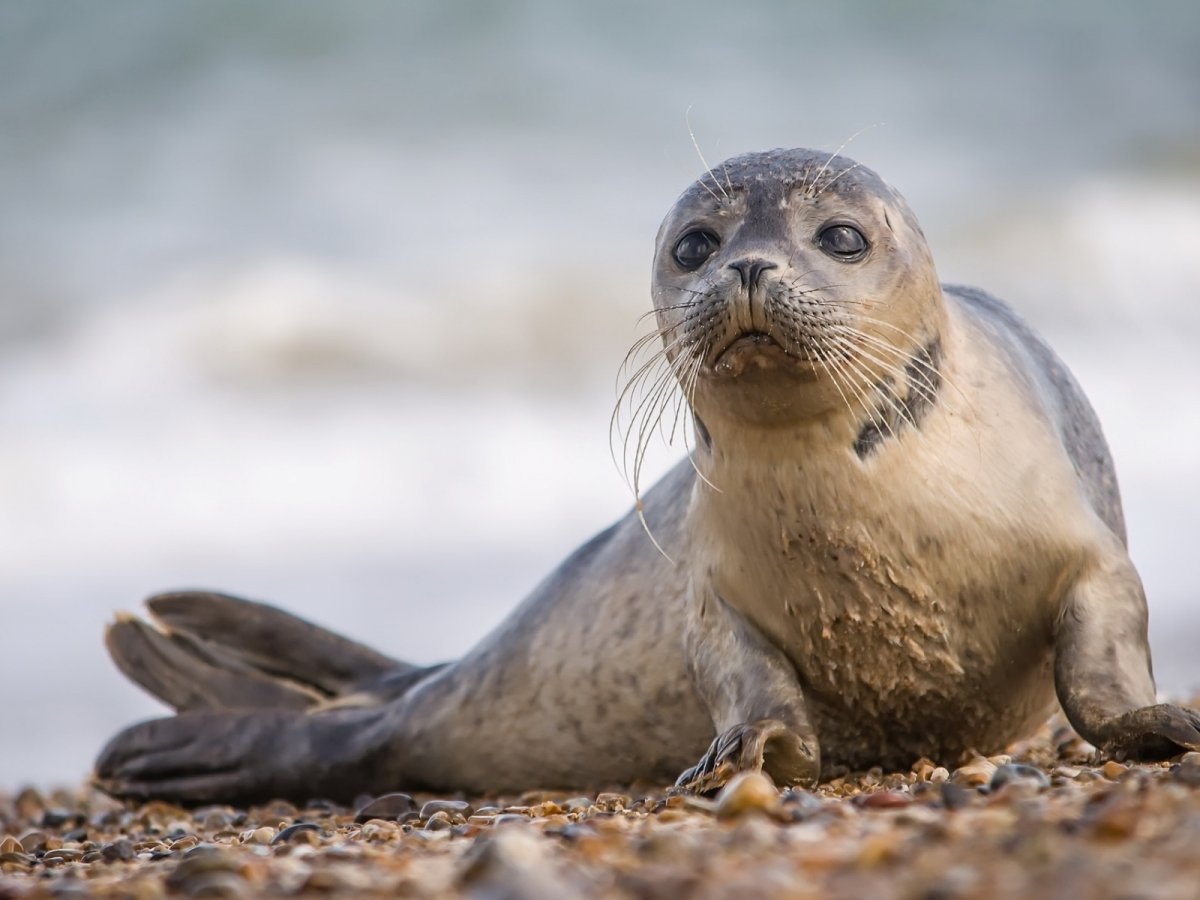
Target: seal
[[899, 535]]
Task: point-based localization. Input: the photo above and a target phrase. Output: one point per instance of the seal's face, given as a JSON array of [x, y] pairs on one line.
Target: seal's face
[[791, 284]]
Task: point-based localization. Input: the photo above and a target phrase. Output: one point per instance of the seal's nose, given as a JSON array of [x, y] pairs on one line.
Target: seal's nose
[[750, 270]]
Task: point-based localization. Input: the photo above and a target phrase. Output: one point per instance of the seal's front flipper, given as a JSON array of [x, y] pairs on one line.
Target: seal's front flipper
[[767, 745], [753, 694], [1153, 733], [211, 651], [249, 757], [1102, 667]]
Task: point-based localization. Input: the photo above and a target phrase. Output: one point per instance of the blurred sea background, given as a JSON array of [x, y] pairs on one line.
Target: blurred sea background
[[323, 304]]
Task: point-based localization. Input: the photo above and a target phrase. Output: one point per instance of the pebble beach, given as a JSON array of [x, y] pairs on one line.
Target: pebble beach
[[1049, 818]]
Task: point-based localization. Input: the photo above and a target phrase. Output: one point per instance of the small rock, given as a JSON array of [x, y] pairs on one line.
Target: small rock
[[303, 832], [1112, 770], [512, 862], [215, 884], [216, 820], [575, 804], [263, 835], [20, 860], [379, 830], [976, 773], [612, 801], [1011, 772], [799, 804], [439, 821], [33, 841], [200, 861], [64, 854], [884, 800], [954, 796], [390, 807], [11, 845], [510, 819], [939, 775], [1188, 770], [433, 807], [747, 792], [55, 818], [121, 849]]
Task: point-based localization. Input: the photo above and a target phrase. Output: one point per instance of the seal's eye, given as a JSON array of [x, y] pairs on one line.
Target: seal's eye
[[694, 248], [844, 242]]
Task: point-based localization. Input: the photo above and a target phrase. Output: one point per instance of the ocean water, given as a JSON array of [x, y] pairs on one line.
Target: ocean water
[[324, 304]]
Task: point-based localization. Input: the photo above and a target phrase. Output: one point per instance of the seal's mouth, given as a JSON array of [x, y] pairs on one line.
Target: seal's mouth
[[748, 341], [751, 351]]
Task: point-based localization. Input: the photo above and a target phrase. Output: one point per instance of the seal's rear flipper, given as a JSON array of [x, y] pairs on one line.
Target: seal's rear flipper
[[212, 651]]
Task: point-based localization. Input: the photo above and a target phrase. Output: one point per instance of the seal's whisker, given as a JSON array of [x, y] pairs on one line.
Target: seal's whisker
[[865, 344], [834, 155], [660, 353], [859, 389], [689, 391], [654, 372], [883, 389], [707, 168], [830, 182], [825, 364], [865, 386], [662, 376], [932, 369]]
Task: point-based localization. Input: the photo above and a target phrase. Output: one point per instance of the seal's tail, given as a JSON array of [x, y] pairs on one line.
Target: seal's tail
[[207, 651]]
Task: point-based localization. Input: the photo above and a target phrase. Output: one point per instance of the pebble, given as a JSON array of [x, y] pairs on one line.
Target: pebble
[[33, 841], [954, 796], [305, 832], [390, 806], [65, 854], [510, 819], [747, 792], [433, 807], [217, 820], [884, 800], [264, 835], [976, 773], [55, 818], [118, 850], [1112, 770], [612, 801], [1012, 772], [910, 833]]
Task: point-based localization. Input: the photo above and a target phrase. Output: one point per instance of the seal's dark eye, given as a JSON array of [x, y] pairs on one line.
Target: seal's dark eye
[[844, 242], [694, 248]]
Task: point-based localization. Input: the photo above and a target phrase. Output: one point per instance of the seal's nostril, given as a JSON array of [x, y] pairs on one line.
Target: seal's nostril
[[751, 269]]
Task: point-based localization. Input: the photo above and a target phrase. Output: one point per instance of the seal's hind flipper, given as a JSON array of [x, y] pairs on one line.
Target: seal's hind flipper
[[189, 676], [207, 651], [272, 641]]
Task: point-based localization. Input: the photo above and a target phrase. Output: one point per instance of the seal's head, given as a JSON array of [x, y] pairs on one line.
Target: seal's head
[[789, 285]]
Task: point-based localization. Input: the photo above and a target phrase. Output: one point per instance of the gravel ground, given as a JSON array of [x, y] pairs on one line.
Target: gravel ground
[[1049, 819]]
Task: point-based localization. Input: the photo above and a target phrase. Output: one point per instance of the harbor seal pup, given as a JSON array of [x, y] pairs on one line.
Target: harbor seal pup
[[899, 535]]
